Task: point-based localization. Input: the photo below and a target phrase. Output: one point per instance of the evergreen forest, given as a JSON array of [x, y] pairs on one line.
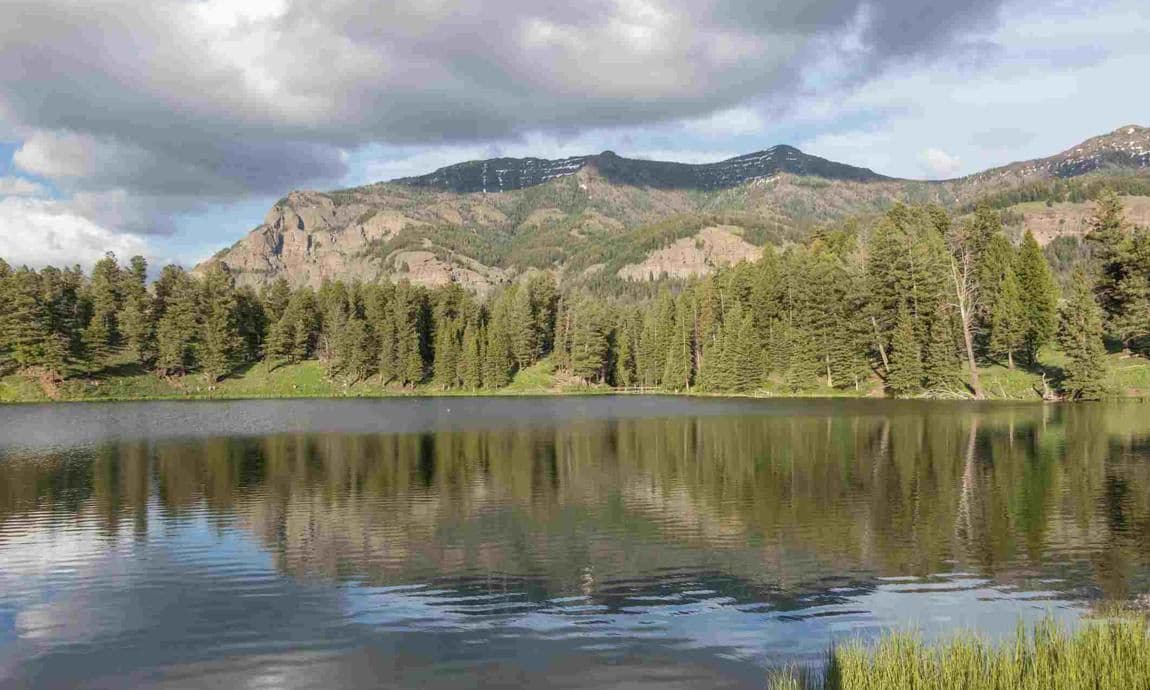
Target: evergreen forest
[[912, 303]]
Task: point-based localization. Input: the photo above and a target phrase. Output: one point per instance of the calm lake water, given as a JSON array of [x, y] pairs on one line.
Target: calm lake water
[[544, 542]]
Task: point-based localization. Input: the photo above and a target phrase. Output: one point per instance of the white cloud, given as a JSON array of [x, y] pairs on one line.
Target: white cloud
[[939, 163], [58, 155], [19, 186], [40, 232]]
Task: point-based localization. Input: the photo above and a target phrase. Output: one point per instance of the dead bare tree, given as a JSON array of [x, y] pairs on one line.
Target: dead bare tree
[[965, 300]]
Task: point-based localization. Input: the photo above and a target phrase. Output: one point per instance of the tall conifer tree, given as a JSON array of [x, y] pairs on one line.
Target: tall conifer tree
[[471, 364], [1039, 295], [177, 333], [138, 322], [1007, 319], [679, 367], [101, 336], [906, 358], [1080, 335], [221, 346]]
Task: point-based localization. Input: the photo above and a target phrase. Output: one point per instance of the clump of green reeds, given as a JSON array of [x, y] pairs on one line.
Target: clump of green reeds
[[1112, 654]]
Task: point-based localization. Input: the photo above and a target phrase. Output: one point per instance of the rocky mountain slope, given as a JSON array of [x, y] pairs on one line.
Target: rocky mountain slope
[[605, 217], [1126, 148]]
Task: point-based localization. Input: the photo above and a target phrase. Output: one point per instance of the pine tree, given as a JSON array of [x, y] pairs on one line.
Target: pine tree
[[544, 307], [664, 337], [746, 374], [26, 326], [590, 343], [177, 333], [378, 311], [65, 312], [996, 259], [803, 366], [221, 346], [306, 326], [357, 356], [627, 344], [5, 298], [708, 319], [1108, 233], [294, 336], [252, 323], [409, 338], [334, 303], [1039, 295], [941, 360], [448, 347], [714, 375], [471, 363], [906, 358], [724, 372], [1007, 319], [679, 368], [827, 309], [648, 359], [1080, 336], [908, 266], [1130, 322], [498, 361], [137, 322], [561, 338], [275, 298], [777, 359], [522, 325], [101, 336]]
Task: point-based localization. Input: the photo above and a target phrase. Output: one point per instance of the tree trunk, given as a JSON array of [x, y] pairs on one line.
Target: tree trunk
[[1009, 360], [878, 344], [968, 339], [965, 295]]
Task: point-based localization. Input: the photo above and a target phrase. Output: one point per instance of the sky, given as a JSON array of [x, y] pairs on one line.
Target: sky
[[169, 128]]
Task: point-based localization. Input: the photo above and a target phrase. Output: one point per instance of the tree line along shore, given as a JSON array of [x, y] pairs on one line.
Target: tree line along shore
[[912, 304]]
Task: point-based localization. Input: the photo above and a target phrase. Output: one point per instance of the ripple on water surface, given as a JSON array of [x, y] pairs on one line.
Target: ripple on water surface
[[561, 543]]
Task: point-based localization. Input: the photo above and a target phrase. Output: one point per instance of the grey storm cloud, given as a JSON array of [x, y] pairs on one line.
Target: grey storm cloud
[[217, 99]]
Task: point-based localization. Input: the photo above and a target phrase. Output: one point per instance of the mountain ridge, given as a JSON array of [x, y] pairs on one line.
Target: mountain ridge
[[1125, 147], [509, 174], [607, 217]]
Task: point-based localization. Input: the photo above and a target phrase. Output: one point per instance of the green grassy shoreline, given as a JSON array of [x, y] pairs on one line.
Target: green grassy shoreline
[[1110, 654], [1128, 378]]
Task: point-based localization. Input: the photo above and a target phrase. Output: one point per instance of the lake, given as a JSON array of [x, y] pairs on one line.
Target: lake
[[567, 542]]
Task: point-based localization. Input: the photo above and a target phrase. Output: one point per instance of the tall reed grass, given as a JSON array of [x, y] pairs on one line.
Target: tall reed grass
[[1111, 654]]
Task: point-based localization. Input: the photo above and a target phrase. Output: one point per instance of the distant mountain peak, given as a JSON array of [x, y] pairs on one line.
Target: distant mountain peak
[[507, 174], [1126, 148], [1129, 129]]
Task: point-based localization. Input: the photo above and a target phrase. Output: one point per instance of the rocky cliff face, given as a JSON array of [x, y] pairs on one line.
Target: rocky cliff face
[[308, 237], [482, 223]]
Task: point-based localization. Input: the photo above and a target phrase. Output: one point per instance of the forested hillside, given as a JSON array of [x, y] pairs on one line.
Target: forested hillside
[[910, 303]]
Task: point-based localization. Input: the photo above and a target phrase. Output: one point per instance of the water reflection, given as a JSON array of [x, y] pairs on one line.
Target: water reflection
[[572, 546]]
